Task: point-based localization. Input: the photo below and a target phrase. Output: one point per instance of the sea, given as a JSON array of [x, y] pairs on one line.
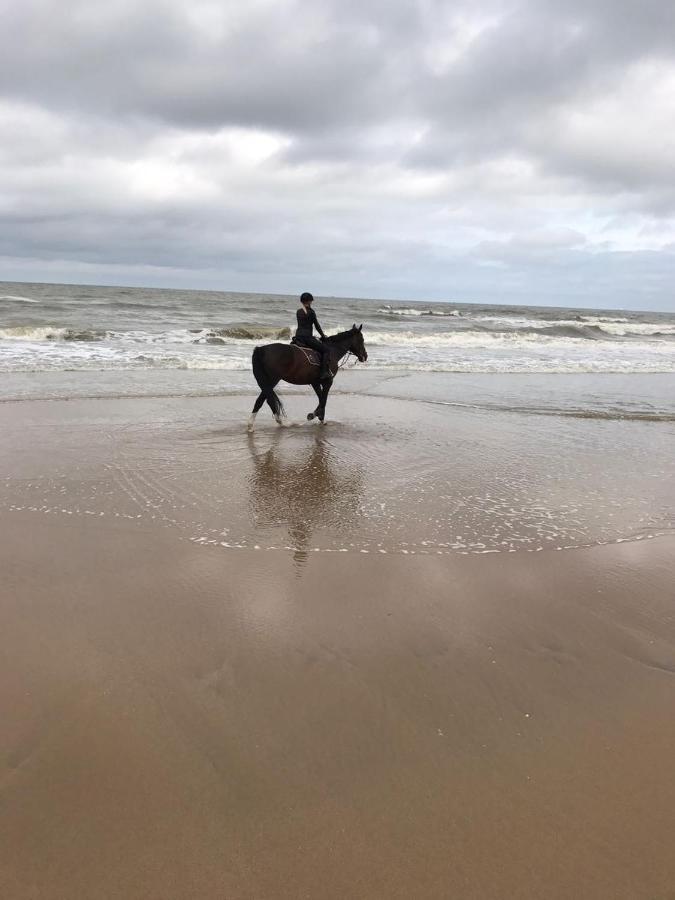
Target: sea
[[470, 429], [78, 340]]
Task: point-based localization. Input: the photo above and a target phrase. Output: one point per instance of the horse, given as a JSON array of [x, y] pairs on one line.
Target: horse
[[295, 364]]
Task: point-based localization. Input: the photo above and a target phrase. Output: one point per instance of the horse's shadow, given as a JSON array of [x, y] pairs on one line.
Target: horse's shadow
[[302, 487]]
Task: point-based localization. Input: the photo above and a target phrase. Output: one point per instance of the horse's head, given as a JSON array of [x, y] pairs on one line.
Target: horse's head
[[356, 346]]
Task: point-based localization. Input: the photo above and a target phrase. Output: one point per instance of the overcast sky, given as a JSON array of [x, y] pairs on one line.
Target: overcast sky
[[517, 151]]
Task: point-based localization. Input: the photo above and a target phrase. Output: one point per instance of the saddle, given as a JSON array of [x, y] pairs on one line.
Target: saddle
[[313, 357]]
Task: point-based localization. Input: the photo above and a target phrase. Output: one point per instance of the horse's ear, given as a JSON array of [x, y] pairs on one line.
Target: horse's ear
[[354, 327], [361, 327]]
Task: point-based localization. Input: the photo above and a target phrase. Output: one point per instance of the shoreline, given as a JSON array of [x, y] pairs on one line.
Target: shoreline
[[609, 395]]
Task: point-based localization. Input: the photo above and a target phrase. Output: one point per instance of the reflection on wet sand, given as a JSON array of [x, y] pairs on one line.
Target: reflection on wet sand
[[302, 486]]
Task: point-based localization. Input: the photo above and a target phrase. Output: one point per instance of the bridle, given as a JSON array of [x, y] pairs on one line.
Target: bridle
[[345, 359], [342, 363]]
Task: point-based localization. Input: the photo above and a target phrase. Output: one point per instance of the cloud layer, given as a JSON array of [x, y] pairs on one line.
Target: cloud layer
[[514, 152]]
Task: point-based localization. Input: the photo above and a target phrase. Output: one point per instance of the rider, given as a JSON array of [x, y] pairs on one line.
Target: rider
[[304, 336]]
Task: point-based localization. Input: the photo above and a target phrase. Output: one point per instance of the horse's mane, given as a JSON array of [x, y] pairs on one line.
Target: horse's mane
[[334, 338]]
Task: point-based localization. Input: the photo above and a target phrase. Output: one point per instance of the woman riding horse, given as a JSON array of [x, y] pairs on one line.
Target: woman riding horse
[[304, 335], [273, 363]]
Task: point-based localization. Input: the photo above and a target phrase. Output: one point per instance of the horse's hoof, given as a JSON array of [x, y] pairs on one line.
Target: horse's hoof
[[310, 416]]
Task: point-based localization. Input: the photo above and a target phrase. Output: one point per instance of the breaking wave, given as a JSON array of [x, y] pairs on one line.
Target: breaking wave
[[178, 336], [107, 329], [590, 327], [248, 333], [49, 333], [563, 335], [412, 312]]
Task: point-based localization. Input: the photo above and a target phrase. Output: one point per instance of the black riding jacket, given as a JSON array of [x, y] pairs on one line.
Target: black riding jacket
[[307, 321]]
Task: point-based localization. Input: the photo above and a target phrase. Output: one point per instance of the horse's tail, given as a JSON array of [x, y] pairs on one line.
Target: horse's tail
[[265, 383]]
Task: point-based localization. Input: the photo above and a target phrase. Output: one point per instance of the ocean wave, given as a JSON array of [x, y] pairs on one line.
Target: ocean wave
[[413, 312], [49, 333], [35, 333], [30, 333], [233, 333], [12, 298], [137, 363], [586, 325], [248, 333], [52, 343], [451, 363], [562, 336], [602, 319], [637, 328], [565, 332], [580, 332]]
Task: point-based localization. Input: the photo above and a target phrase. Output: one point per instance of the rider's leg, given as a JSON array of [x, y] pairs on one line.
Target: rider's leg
[[316, 344]]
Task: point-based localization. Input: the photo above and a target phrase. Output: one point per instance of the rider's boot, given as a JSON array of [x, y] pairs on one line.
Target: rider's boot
[[325, 372]]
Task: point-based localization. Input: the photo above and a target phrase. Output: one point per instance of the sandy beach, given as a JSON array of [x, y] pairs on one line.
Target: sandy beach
[[414, 644], [185, 717]]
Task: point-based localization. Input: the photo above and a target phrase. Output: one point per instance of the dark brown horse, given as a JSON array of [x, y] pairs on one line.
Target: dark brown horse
[[300, 365]]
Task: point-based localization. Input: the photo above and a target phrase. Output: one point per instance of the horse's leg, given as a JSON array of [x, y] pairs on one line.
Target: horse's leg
[[256, 409], [316, 385], [280, 407], [268, 377], [325, 388]]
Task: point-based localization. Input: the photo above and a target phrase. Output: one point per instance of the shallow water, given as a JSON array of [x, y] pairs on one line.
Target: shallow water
[[384, 476]]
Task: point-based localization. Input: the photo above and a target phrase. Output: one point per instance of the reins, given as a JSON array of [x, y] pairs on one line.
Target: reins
[[343, 362]]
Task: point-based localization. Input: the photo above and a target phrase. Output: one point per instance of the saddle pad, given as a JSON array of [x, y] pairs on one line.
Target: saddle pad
[[311, 355]]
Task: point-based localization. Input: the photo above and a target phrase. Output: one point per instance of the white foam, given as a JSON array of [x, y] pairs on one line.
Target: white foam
[[47, 348], [175, 336], [32, 333], [418, 312], [618, 326], [637, 328], [16, 299], [489, 339]]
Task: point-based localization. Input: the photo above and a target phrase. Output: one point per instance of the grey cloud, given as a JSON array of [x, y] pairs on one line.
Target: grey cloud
[[270, 70], [400, 164], [291, 66]]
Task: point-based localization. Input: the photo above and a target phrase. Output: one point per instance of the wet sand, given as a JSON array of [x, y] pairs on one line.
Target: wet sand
[[191, 719]]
